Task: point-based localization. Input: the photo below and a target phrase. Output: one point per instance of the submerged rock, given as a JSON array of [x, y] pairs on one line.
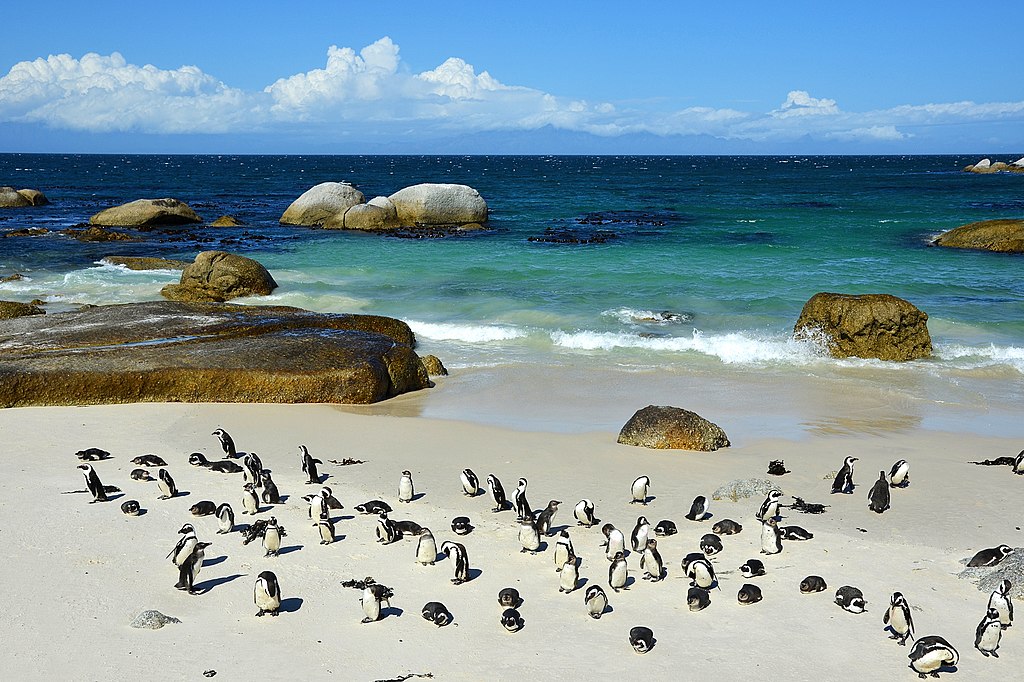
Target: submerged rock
[[1004, 236], [146, 262], [664, 427], [146, 213], [152, 620], [434, 366], [217, 276], [193, 352], [11, 309], [98, 234], [878, 326], [226, 221], [320, 203], [27, 232]]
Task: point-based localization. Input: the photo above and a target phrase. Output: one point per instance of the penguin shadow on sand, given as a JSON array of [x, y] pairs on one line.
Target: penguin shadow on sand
[[215, 560], [289, 549], [472, 574], [291, 604], [207, 585], [391, 611], [417, 496]]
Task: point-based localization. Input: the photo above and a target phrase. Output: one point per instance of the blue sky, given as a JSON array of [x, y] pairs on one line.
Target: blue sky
[[533, 77]]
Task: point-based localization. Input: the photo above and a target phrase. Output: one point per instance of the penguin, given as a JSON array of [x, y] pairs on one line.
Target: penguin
[[254, 530], [754, 568], [596, 601], [699, 509], [990, 557], [188, 571], [226, 443], [899, 474], [318, 507], [898, 618], [638, 538], [1001, 602], [563, 550], [332, 501], [470, 483], [618, 572], [270, 493], [771, 537], [812, 584], [309, 466], [615, 541], [225, 467], [149, 461], [651, 563], [689, 559], [584, 513], [92, 454], [131, 508], [878, 497], [701, 573], [225, 518], [272, 538], [770, 507], [641, 639], [497, 493], [457, 553], [373, 596], [326, 529], [748, 594], [639, 490], [795, 533], [141, 475], [726, 527], [1018, 464], [710, 544], [183, 548], [697, 599], [426, 548], [386, 531], [437, 613], [198, 459], [665, 528], [851, 599], [570, 576], [843, 482], [373, 507], [522, 505], [509, 597], [202, 508], [545, 517], [250, 502], [511, 620], [405, 487], [988, 634], [406, 527], [931, 653], [92, 481], [267, 594], [253, 466], [461, 525], [166, 485], [529, 538]]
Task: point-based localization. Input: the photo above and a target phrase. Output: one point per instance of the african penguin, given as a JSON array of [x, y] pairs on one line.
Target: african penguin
[[878, 497], [309, 466], [267, 594], [406, 527], [770, 507], [570, 575], [188, 571], [141, 475], [641, 639], [270, 493], [470, 483], [272, 538], [182, 549], [812, 584], [202, 508], [545, 517], [457, 553], [1018, 464], [990, 557], [771, 536], [511, 620], [931, 653], [701, 573], [522, 505], [988, 634], [697, 599], [326, 529], [563, 550], [584, 513], [638, 538], [689, 559], [509, 597], [149, 461], [899, 475], [615, 541], [726, 527], [851, 599], [497, 493], [253, 466], [618, 572], [665, 528], [596, 601], [899, 619], [92, 454], [225, 518], [386, 531], [437, 613], [843, 482], [461, 525], [748, 594], [250, 501], [529, 538], [426, 548], [166, 485], [131, 508], [699, 509], [406, 490], [710, 544], [373, 595], [639, 490], [651, 563], [226, 443], [92, 482], [795, 533], [373, 507], [754, 568], [1001, 602]]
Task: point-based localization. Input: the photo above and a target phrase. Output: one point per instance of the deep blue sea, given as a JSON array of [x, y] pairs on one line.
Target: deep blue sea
[[732, 246]]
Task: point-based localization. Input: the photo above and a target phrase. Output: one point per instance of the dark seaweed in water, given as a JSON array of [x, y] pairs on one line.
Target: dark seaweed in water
[[638, 218], [810, 204], [569, 235]]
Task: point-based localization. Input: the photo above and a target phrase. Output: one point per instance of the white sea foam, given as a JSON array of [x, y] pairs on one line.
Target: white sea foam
[[469, 333], [636, 316], [977, 357]]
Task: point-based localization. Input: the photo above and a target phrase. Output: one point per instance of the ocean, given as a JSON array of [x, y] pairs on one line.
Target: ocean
[[682, 266]]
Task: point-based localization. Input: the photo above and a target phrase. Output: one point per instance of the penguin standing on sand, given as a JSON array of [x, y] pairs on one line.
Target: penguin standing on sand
[[584, 513], [931, 653], [470, 483], [899, 475], [166, 485], [497, 493], [406, 491], [272, 538], [771, 537], [563, 549], [618, 572], [386, 530], [226, 443], [426, 548], [522, 505], [1000, 601], [570, 576], [615, 541], [639, 490], [225, 518], [309, 466], [770, 507], [843, 482], [189, 570], [529, 538], [92, 481], [182, 549], [878, 498], [638, 538], [267, 594], [457, 553], [270, 493], [596, 601], [373, 596], [326, 529], [701, 573], [699, 509], [651, 563], [988, 634], [1018, 464], [546, 516], [253, 465], [250, 501], [898, 618]]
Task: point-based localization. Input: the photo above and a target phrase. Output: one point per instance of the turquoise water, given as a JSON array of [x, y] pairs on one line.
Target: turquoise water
[[733, 246]]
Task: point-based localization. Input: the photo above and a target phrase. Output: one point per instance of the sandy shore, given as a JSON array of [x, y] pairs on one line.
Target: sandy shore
[[76, 574]]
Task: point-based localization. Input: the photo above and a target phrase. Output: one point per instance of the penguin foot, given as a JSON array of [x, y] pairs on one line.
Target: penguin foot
[[260, 613], [995, 655], [367, 620], [595, 616], [273, 613]]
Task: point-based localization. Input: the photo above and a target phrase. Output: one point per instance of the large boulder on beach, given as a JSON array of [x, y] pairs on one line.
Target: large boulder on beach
[[146, 213], [12, 309], [320, 203], [1004, 236], [165, 351], [672, 428], [878, 326], [439, 204], [217, 276]]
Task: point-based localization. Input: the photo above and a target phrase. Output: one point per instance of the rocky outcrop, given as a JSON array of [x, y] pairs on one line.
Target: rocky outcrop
[[664, 428], [145, 263], [217, 276], [188, 352], [865, 326], [11, 309], [439, 204], [98, 234], [1004, 236], [20, 198], [377, 214], [320, 203], [988, 166], [226, 221], [434, 366], [147, 213], [27, 232]]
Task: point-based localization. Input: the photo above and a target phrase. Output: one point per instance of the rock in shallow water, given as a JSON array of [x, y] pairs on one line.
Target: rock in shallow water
[[216, 276], [152, 620], [866, 326], [1003, 236], [664, 427], [146, 213]]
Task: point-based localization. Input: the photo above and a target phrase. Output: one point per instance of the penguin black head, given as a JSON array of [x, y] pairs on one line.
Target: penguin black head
[[187, 528], [197, 459], [511, 620], [607, 529], [897, 599], [461, 525], [641, 639], [1004, 587], [1005, 550], [407, 473], [85, 467]]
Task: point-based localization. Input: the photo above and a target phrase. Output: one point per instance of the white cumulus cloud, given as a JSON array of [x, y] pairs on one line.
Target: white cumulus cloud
[[800, 103]]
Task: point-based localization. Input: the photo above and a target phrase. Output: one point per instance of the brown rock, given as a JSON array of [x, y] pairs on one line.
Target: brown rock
[[146, 263], [16, 277], [664, 427], [218, 276], [11, 309], [11, 198], [188, 352], [226, 221], [1004, 236], [147, 213], [865, 326], [34, 197], [27, 232], [98, 234], [434, 367]]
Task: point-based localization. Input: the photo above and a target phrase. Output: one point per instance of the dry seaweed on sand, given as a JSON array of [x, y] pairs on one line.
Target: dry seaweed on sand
[[346, 462], [807, 507], [997, 462]]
